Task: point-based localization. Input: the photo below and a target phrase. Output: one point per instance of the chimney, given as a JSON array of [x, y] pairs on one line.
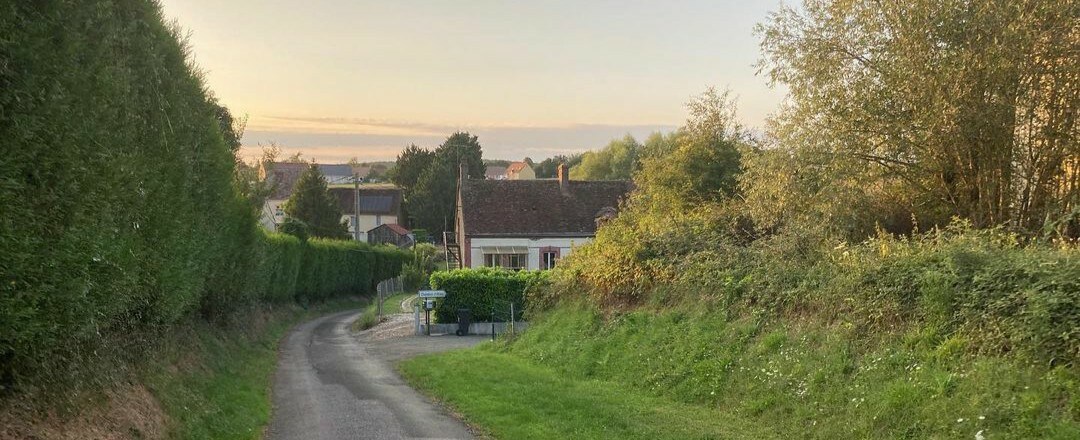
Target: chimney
[[564, 179]]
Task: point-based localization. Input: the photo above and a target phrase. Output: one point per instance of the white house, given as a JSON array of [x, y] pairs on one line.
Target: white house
[[380, 204], [529, 224]]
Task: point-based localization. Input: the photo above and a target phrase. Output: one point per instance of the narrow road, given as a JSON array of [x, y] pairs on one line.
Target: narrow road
[[332, 384]]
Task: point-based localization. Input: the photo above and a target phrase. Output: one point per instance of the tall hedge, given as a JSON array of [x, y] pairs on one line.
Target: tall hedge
[[120, 216], [483, 290]]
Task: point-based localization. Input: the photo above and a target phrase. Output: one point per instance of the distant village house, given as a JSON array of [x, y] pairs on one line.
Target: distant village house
[[528, 224]]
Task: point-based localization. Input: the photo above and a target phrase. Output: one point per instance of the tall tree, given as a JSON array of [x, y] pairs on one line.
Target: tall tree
[[410, 164], [430, 202], [970, 106], [312, 204], [617, 161]]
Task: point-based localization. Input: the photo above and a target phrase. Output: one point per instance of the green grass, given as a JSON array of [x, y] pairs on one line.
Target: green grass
[[508, 397], [574, 372], [215, 382], [370, 316]]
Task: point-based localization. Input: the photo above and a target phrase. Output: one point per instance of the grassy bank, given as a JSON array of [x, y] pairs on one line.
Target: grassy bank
[[510, 397], [370, 316], [214, 383], [577, 373]]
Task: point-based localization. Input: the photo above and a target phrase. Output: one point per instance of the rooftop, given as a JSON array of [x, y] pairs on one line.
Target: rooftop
[[537, 207]]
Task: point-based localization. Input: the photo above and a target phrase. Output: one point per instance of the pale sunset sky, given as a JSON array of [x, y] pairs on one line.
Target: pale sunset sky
[[337, 79]]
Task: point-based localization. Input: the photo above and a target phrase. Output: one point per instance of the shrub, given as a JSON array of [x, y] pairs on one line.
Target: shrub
[[488, 292], [120, 213]]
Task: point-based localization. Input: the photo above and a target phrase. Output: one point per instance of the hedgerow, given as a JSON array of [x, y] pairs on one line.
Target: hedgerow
[[484, 291], [120, 213]]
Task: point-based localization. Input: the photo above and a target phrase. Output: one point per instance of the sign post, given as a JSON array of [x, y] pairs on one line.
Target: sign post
[[428, 298]]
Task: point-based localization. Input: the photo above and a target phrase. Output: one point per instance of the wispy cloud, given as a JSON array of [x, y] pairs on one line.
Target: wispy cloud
[[339, 139]]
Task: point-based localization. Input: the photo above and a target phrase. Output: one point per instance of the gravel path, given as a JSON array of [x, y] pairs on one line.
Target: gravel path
[[332, 384]]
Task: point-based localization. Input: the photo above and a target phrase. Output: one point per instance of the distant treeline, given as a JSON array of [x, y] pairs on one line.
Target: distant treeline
[[123, 213]]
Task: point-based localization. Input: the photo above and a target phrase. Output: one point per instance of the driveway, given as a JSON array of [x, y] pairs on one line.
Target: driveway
[[333, 384]]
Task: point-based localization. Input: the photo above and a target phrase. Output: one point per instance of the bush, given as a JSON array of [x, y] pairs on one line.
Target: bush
[[484, 291]]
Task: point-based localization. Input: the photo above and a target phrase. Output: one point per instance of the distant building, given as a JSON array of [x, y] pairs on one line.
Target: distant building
[[520, 171], [283, 177], [391, 233], [528, 224], [494, 172], [379, 204]]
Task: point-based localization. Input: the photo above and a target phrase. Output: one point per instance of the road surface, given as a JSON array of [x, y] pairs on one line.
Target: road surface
[[332, 384]]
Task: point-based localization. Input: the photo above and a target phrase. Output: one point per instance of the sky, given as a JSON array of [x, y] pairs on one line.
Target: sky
[[337, 79]]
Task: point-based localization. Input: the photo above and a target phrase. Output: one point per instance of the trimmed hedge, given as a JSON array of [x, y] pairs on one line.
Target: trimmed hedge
[[483, 290], [120, 212]]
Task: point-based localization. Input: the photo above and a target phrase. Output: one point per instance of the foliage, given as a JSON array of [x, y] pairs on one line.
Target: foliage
[[295, 228], [312, 204], [424, 260], [617, 161], [484, 291], [549, 168], [206, 371], [430, 203], [799, 377], [122, 215], [964, 108], [410, 165], [510, 397]]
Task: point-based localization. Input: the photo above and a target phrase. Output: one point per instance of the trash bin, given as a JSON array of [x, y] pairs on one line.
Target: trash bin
[[464, 318]]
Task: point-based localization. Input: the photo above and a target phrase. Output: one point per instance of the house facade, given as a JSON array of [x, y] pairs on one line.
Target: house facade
[[520, 171], [283, 177], [380, 204], [529, 224]]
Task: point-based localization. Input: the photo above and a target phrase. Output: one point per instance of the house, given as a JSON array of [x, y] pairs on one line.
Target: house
[[391, 233], [494, 172], [520, 171], [283, 177], [379, 204], [528, 224]]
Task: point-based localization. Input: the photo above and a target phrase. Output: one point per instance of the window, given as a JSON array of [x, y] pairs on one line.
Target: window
[[506, 261], [548, 257]]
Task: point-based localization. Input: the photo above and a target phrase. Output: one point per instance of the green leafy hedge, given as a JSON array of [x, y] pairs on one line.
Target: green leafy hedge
[[483, 290], [120, 211]]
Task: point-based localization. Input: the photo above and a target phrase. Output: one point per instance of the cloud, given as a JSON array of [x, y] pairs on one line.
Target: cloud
[[339, 139]]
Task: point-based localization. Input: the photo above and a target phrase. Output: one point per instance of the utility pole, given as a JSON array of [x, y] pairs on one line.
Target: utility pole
[[356, 212]]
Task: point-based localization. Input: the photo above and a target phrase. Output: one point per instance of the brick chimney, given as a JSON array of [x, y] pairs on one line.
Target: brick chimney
[[564, 179]]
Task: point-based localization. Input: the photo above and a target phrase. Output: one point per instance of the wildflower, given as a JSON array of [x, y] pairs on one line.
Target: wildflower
[[979, 435]]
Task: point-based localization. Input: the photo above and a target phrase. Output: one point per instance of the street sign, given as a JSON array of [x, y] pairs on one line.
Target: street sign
[[432, 293]]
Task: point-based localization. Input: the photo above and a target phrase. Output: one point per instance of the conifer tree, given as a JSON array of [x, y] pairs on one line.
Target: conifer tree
[[312, 204]]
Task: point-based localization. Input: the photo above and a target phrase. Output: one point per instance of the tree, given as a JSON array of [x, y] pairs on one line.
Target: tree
[[968, 108], [410, 164], [430, 202], [617, 161], [377, 172], [312, 204], [297, 157], [700, 162], [549, 168]]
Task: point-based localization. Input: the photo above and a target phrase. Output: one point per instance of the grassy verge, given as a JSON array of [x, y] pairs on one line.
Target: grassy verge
[[509, 397], [370, 316], [693, 373], [214, 383]]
